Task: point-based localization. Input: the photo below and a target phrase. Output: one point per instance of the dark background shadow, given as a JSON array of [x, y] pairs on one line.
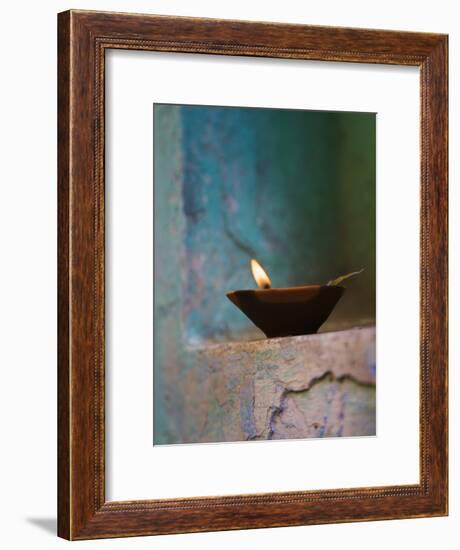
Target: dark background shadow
[[45, 524]]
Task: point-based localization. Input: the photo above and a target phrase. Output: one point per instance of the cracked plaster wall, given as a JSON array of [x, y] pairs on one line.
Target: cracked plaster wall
[[305, 386]]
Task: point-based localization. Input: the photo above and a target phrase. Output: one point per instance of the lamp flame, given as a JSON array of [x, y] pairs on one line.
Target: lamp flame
[[259, 274]]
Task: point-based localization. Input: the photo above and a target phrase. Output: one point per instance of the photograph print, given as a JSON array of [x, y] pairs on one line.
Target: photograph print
[[264, 274]]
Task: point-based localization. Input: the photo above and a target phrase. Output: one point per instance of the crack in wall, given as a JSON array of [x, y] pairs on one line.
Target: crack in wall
[[275, 412], [244, 247]]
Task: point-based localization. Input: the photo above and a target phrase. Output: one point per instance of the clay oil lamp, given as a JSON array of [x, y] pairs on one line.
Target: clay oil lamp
[[287, 311]]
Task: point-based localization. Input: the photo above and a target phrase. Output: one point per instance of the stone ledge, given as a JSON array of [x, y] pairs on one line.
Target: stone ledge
[[346, 352], [320, 385]]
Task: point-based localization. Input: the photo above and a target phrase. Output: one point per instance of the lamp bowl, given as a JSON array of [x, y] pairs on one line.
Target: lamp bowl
[[288, 311]]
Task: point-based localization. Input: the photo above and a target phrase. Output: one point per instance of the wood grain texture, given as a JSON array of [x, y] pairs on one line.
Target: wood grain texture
[[64, 495], [83, 38]]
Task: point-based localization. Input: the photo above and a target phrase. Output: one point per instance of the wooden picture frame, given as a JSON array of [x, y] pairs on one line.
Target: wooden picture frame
[[83, 39]]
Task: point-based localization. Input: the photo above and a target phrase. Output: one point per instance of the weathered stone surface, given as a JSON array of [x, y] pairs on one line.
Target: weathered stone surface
[[320, 385], [330, 407]]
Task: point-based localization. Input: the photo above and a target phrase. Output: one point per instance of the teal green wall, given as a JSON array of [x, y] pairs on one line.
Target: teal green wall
[[294, 189], [356, 179]]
